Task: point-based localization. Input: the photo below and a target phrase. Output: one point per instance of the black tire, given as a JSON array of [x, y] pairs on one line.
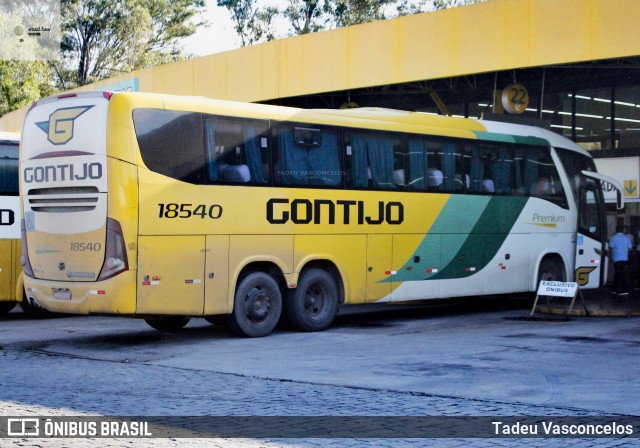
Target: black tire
[[551, 270], [313, 305], [172, 323], [257, 306], [5, 307], [33, 310]]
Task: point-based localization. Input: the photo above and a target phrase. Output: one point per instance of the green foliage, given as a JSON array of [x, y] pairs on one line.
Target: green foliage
[[444, 4], [355, 12], [251, 23], [21, 83], [306, 16], [101, 37]]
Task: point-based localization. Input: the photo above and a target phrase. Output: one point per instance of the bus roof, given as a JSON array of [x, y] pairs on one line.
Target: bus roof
[[368, 117], [555, 140]]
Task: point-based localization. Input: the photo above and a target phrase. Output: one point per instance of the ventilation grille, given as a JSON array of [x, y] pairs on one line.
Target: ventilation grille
[[63, 199]]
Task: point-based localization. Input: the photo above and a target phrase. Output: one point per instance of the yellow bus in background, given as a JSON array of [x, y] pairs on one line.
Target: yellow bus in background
[[10, 247], [167, 208]]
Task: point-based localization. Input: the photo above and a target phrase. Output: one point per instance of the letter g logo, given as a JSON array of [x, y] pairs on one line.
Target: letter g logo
[[582, 274], [59, 128]]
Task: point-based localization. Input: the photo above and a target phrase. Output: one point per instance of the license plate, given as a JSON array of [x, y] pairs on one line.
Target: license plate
[[62, 294]]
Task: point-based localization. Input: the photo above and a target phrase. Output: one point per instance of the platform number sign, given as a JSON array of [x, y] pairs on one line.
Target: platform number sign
[[515, 98]]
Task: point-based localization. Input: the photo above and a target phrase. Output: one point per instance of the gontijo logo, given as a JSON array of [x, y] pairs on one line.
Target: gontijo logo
[[59, 128]]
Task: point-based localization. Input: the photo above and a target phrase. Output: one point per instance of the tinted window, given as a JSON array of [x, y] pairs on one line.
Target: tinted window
[[307, 156], [574, 163], [436, 165], [171, 143], [491, 169], [536, 175], [236, 151], [378, 161], [8, 169]]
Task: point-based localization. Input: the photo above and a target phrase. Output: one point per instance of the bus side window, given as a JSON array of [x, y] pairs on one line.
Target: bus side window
[[236, 151], [502, 169], [454, 178], [308, 156], [372, 160], [417, 165], [170, 143], [399, 165], [542, 179]]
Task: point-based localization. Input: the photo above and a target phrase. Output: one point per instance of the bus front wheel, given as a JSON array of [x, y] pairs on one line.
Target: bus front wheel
[[313, 305], [172, 323], [257, 306], [551, 270]]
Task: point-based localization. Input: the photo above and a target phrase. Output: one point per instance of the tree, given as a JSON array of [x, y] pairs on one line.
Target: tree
[[355, 12], [105, 36], [252, 24], [21, 83], [444, 4], [306, 16], [408, 7]]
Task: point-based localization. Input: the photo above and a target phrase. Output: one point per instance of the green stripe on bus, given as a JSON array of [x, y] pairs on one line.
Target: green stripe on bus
[[506, 138], [482, 224], [485, 239], [461, 213]]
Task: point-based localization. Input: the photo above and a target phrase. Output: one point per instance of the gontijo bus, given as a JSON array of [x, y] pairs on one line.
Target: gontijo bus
[[10, 270], [167, 207]]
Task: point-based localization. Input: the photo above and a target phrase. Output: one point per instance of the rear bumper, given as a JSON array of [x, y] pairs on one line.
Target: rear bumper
[[116, 295]]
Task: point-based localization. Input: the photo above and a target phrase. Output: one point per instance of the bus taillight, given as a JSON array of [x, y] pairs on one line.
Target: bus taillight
[[24, 259], [115, 257]]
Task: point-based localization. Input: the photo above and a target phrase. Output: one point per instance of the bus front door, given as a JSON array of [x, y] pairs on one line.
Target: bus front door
[[591, 237]]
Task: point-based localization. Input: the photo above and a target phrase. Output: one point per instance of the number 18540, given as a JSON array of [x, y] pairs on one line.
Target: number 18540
[[173, 210]]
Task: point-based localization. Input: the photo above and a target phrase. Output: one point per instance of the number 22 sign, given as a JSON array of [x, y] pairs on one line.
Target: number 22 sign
[[515, 98]]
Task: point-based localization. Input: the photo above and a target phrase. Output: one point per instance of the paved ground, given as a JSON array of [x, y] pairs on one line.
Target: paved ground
[[453, 360]]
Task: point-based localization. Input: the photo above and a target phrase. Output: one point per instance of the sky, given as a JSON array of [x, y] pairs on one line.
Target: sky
[[219, 35]]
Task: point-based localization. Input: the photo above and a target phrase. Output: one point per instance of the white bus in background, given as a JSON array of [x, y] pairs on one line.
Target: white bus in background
[[10, 245]]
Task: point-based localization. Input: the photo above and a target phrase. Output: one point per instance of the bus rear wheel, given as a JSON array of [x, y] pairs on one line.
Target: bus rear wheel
[[313, 305], [257, 306], [172, 323]]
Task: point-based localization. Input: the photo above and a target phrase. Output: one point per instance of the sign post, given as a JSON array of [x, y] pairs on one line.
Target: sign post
[[558, 289]]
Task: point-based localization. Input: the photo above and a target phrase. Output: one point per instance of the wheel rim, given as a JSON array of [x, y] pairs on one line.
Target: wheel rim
[[257, 304], [315, 300]]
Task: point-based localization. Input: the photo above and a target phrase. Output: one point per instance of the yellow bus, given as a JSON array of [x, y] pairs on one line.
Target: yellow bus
[[166, 208], [10, 248]]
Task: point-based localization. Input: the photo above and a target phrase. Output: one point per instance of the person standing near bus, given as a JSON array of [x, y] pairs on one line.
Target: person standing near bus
[[620, 246]]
